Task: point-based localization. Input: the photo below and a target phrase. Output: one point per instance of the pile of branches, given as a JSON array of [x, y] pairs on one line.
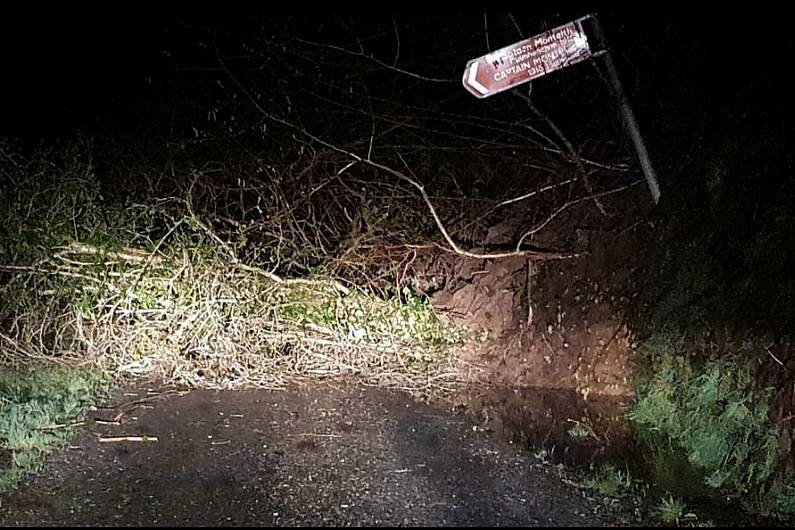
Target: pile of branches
[[159, 290]]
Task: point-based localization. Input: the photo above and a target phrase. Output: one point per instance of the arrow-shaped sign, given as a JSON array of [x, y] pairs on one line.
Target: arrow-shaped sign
[[527, 60], [472, 80]]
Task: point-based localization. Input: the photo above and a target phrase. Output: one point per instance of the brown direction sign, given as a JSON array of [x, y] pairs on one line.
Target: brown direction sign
[[527, 60]]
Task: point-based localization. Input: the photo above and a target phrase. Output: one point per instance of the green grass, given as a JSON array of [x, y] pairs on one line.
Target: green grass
[[670, 509], [610, 482], [366, 318], [707, 427], [581, 430], [37, 407], [543, 455]]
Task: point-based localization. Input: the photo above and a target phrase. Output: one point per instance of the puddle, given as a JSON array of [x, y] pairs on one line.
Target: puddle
[[572, 430], [565, 428]]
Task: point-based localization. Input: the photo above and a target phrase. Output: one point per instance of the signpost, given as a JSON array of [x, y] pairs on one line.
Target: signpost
[[526, 60], [552, 50]]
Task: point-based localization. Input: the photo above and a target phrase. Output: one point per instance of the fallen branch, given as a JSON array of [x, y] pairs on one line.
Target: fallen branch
[[774, 357], [517, 199], [40, 270], [315, 435], [223, 244], [129, 255], [249, 268]]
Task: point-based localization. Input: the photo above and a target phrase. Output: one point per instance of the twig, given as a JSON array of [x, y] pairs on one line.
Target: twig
[[129, 255], [515, 200], [570, 204], [397, 40], [105, 422], [530, 274], [380, 63], [145, 267], [516, 25], [223, 244], [39, 270], [62, 426], [117, 439], [8, 157], [486, 30], [569, 148], [774, 357], [532, 193], [546, 341], [129, 406], [314, 435]]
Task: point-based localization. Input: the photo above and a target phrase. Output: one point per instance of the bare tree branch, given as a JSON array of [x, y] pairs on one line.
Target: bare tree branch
[[535, 254], [486, 30], [378, 62], [568, 205], [569, 148], [516, 25], [397, 40]]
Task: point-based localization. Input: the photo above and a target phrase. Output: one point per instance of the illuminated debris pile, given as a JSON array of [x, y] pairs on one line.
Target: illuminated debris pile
[[152, 291]]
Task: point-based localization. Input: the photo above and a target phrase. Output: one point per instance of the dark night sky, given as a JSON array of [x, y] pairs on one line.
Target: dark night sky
[[62, 69]]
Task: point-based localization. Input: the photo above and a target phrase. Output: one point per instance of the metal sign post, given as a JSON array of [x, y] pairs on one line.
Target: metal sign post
[[547, 52], [626, 112]]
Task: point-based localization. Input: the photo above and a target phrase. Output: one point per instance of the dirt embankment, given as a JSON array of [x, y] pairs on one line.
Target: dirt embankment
[[556, 368]]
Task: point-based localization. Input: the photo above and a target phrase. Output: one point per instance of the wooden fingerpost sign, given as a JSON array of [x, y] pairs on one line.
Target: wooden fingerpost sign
[[547, 52]]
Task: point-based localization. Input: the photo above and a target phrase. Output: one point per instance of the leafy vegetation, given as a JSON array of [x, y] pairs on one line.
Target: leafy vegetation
[[708, 408], [38, 408], [581, 430], [709, 423]]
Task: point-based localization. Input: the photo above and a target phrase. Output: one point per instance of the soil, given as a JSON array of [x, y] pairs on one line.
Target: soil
[[555, 367], [322, 456]]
